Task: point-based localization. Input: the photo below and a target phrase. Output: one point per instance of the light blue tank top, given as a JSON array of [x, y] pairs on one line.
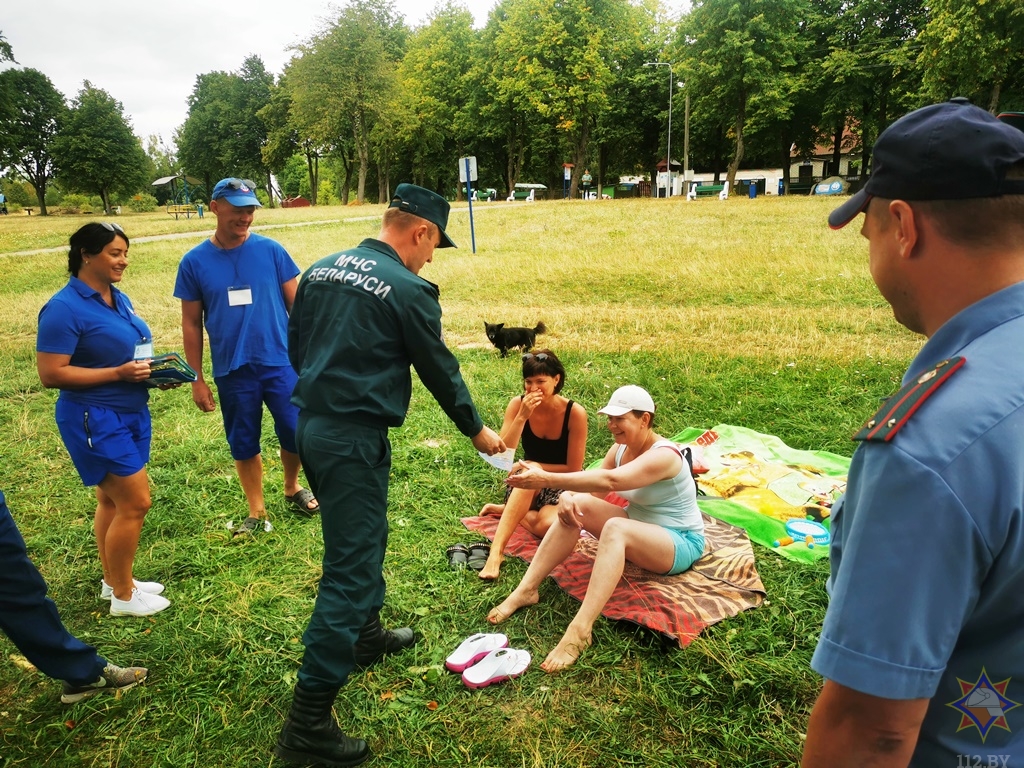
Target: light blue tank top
[[671, 503]]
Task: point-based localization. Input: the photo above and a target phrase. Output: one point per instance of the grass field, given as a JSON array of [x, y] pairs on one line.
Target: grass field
[[749, 312]]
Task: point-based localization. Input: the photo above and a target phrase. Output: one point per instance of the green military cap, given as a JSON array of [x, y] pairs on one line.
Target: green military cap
[[425, 204]]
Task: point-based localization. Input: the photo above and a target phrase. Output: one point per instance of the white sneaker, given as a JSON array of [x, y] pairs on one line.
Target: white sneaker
[[149, 587], [141, 604]]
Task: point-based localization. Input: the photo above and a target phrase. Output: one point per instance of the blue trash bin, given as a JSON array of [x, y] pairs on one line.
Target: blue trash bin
[[753, 189]]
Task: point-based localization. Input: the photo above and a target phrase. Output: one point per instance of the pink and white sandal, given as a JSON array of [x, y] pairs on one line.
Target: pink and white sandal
[[496, 667], [473, 649]]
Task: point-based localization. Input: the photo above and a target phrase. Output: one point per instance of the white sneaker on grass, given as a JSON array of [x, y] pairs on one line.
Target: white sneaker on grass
[[141, 604], [149, 587], [113, 678]]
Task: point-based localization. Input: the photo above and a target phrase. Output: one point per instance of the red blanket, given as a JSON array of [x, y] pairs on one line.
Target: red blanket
[[722, 583]]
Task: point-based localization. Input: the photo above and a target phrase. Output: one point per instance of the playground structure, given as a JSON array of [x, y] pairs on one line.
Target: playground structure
[[181, 201]]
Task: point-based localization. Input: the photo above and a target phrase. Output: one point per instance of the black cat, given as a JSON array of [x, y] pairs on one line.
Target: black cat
[[506, 338]]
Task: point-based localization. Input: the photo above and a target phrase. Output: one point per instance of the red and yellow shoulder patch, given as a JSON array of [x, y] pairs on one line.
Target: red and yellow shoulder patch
[[898, 409]]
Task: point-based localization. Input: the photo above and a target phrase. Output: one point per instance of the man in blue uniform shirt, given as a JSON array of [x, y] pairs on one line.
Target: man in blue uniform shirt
[[361, 318], [241, 285], [922, 648]]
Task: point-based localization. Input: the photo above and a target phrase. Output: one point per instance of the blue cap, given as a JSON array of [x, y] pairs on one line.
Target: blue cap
[[948, 151], [238, 192]]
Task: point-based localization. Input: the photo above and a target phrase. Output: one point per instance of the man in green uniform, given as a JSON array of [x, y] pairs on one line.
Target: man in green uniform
[[360, 319]]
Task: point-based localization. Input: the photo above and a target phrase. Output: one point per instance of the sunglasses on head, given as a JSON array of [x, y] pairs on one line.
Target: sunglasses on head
[[237, 184], [542, 356], [111, 227]]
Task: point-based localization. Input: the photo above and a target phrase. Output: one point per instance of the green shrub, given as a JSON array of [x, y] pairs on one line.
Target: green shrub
[[76, 203], [325, 193], [142, 203]]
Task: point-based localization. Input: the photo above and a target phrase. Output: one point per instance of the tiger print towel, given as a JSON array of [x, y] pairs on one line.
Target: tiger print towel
[[721, 584]]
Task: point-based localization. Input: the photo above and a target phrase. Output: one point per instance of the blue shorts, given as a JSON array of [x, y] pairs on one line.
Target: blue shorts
[[689, 548], [242, 395], [104, 442]]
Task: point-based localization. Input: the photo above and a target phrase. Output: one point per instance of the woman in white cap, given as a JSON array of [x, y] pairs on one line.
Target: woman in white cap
[[660, 529]]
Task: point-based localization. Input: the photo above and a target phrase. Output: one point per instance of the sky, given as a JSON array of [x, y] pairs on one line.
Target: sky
[[147, 54]]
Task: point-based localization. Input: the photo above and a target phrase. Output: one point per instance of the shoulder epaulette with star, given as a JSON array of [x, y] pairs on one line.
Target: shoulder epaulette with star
[[898, 409]]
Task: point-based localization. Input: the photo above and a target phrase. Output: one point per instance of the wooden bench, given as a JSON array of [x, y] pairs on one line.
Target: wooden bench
[[179, 209], [801, 187]]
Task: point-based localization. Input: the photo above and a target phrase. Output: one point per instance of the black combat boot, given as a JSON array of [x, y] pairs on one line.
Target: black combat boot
[[311, 736], [375, 642]]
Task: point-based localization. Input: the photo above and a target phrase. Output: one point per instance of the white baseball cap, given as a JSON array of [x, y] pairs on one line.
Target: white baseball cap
[[628, 398]]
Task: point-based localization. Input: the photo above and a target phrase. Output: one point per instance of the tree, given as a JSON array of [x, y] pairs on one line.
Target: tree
[[161, 162], [29, 124], [6, 52], [341, 79], [433, 120], [867, 73], [224, 134], [96, 150], [252, 88], [737, 53], [972, 49], [209, 119], [555, 58]]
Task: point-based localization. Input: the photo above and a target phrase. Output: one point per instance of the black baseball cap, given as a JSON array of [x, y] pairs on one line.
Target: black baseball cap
[[425, 204], [948, 151]]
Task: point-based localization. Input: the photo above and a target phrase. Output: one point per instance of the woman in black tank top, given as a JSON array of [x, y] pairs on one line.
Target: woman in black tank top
[[553, 431]]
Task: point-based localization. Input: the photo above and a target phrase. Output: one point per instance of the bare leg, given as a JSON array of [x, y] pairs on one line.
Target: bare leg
[[646, 545], [291, 465], [558, 544], [131, 501], [516, 508], [492, 510], [537, 521], [105, 511], [250, 475]]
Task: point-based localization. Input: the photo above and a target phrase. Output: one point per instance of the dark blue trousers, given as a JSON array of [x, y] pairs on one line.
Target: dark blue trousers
[[30, 619], [347, 466]]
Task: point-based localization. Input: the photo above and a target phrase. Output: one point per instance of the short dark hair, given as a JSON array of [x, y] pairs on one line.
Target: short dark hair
[[640, 415], [544, 362], [91, 239]]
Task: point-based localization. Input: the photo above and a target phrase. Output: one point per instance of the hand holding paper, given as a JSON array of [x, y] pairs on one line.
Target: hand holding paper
[[502, 461]]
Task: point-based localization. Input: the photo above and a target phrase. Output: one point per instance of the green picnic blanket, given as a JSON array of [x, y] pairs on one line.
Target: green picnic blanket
[[757, 482]]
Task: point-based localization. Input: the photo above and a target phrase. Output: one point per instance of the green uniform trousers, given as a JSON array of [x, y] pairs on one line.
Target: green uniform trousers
[[347, 466]]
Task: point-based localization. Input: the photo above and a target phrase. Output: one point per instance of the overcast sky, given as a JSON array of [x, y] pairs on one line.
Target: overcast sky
[[147, 54]]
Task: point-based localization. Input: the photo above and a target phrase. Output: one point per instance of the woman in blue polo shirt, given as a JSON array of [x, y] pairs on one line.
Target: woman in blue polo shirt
[[94, 348]]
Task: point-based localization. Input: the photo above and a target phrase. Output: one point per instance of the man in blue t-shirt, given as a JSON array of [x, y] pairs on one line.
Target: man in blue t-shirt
[[921, 648], [241, 286]]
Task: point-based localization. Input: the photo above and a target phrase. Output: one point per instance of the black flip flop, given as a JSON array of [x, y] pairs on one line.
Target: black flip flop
[[478, 553], [458, 555]]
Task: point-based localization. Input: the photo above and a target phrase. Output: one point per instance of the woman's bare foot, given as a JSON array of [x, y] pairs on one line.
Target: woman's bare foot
[[493, 565], [520, 598], [492, 510], [569, 648]]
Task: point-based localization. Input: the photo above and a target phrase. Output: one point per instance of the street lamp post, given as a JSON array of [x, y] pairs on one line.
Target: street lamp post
[[668, 157], [686, 137]]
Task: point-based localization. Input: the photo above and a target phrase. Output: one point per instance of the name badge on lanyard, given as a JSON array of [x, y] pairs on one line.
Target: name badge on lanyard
[[144, 349], [239, 295]]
